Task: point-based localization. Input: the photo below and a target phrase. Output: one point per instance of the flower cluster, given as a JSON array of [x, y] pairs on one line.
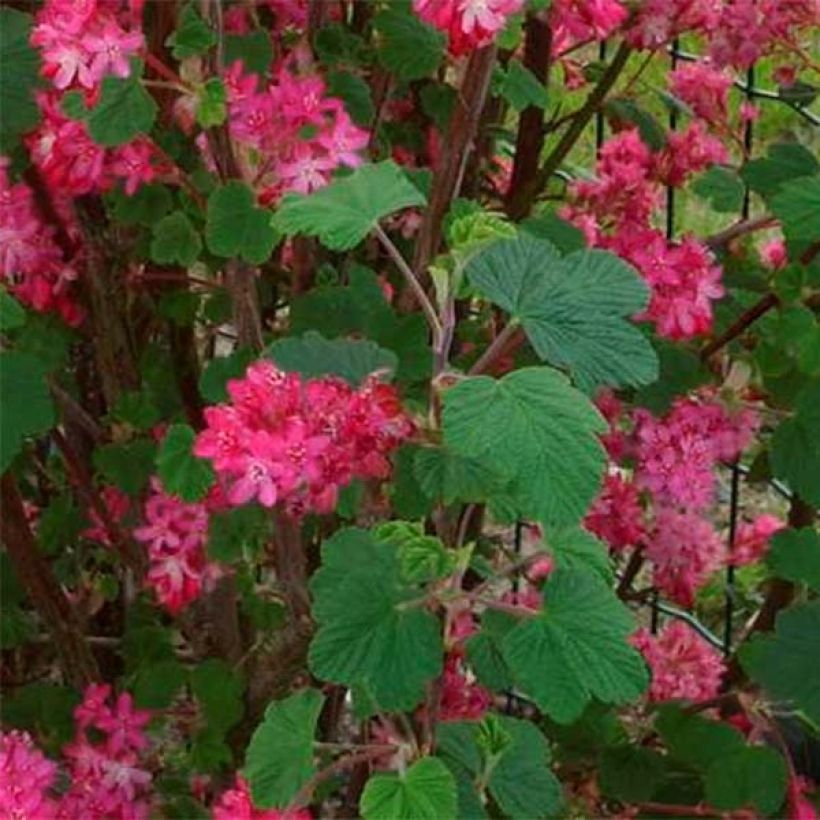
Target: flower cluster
[[105, 758], [32, 265], [616, 515], [683, 665], [614, 212], [236, 804], [578, 21], [175, 532], [292, 134], [752, 539], [117, 506], [26, 776], [283, 439], [468, 24]]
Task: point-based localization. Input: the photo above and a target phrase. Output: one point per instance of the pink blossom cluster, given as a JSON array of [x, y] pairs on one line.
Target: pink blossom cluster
[[614, 211], [461, 697], [659, 21], [106, 759], [704, 88], [752, 539], [616, 516], [175, 533], [285, 439], [468, 24], [683, 665], [82, 41], [32, 264], [292, 134], [578, 21], [117, 505], [26, 778], [236, 804]]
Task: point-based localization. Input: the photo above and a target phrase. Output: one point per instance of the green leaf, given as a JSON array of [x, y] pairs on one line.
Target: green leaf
[[254, 49], [146, 206], [212, 106], [797, 206], [355, 93], [241, 530], [351, 359], [695, 740], [335, 44], [722, 187], [784, 161], [27, 406], [215, 376], [408, 46], [576, 648], [795, 556], [485, 651], [627, 110], [125, 111], [406, 495], [19, 67], [423, 558], [59, 524], [193, 35], [136, 407], [572, 309], [128, 465], [630, 773], [219, 689], [279, 759], [565, 236], [426, 791], [12, 314], [438, 101], [681, 370], [181, 472], [795, 448], [343, 213], [236, 226], [448, 477], [576, 548], [521, 87], [753, 776], [42, 709], [365, 635], [534, 429], [175, 241], [156, 685], [520, 781], [785, 664]]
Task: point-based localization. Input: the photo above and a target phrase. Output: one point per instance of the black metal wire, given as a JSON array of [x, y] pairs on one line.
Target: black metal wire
[[729, 606]]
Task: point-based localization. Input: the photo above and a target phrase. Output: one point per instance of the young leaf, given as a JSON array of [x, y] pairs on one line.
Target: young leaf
[[236, 226], [351, 359], [521, 87], [212, 103], [785, 663], [409, 47], [426, 791], [27, 406], [125, 111], [576, 648], [344, 212], [365, 636], [279, 759], [175, 241], [181, 472], [19, 66], [795, 556], [573, 309], [535, 430]]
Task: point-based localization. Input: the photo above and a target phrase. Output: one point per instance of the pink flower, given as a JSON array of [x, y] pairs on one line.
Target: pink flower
[[684, 550], [461, 697], [575, 21], [752, 540], [773, 254], [683, 665], [687, 152], [132, 163], [659, 21], [26, 776], [117, 505], [800, 808], [236, 804], [703, 88], [124, 725], [616, 515], [110, 49]]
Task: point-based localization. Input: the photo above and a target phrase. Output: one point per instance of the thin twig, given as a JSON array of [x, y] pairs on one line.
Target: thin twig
[[745, 226], [495, 350], [760, 308]]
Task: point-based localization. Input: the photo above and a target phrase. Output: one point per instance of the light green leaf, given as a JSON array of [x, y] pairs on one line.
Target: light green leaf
[[351, 359], [365, 636], [521, 87], [795, 556], [236, 226], [181, 472], [576, 648], [125, 111], [19, 66], [279, 759], [423, 558], [572, 309], [535, 430], [175, 241], [753, 776], [27, 408], [785, 663], [344, 212], [212, 106], [426, 791], [409, 47]]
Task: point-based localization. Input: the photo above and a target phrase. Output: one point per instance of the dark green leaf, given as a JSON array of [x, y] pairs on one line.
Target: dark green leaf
[[566, 237], [521, 88], [576, 548], [146, 206], [175, 241], [485, 651], [254, 49], [218, 688], [128, 465], [193, 35], [722, 187], [795, 556], [797, 205], [356, 95], [681, 370], [426, 791], [630, 773], [784, 161], [181, 472], [156, 685], [448, 477], [19, 66], [214, 378], [12, 314], [795, 450], [125, 111], [627, 110], [238, 533], [236, 226], [753, 776], [408, 46], [695, 740]]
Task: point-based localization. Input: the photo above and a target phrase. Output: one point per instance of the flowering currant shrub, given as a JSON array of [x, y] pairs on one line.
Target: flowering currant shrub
[[409, 409]]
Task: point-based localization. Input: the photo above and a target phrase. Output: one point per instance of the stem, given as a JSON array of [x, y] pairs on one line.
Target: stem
[[305, 794], [631, 571], [741, 228], [412, 281], [760, 308], [79, 666], [500, 606], [496, 349], [170, 75]]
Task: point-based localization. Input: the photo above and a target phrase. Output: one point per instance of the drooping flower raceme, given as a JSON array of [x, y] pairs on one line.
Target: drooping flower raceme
[[26, 776], [236, 804], [616, 515], [684, 666], [752, 539], [294, 441]]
